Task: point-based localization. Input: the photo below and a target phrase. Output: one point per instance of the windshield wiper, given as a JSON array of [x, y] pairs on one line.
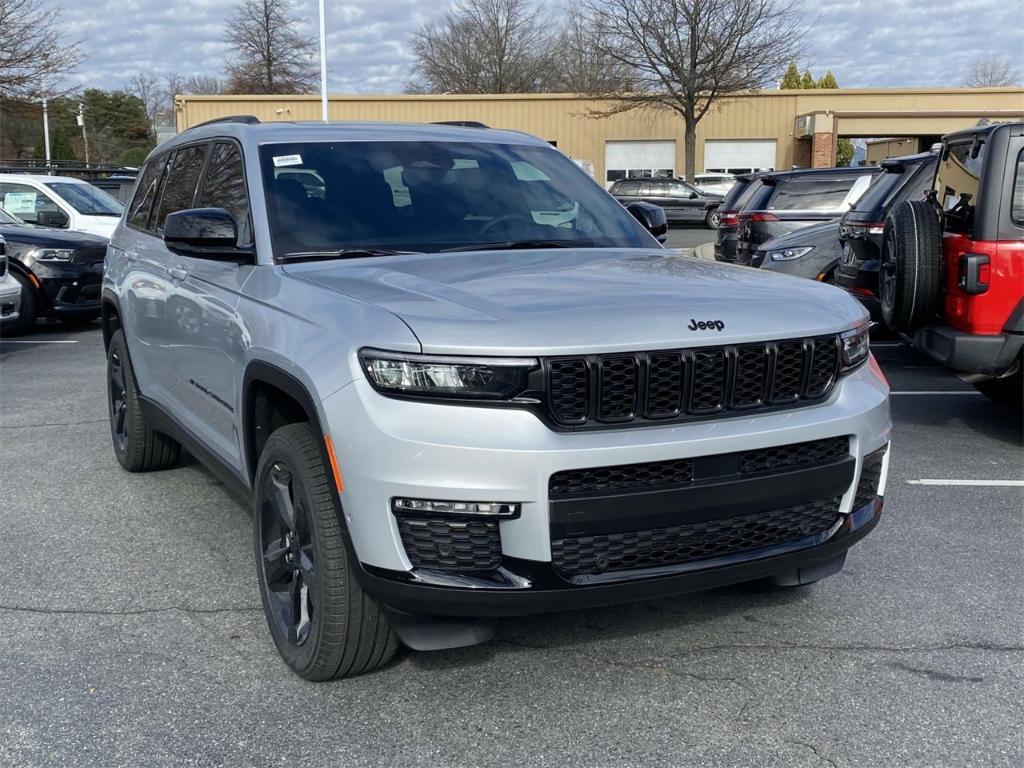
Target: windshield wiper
[[510, 245], [343, 253]]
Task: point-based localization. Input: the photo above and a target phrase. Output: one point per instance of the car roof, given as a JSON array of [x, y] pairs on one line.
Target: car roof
[[39, 177], [295, 132], [801, 173], [969, 133], [892, 163]]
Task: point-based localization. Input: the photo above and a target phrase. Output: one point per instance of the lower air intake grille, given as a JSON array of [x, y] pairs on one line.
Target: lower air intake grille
[[796, 454], [451, 545], [653, 474], [870, 476], [680, 544]]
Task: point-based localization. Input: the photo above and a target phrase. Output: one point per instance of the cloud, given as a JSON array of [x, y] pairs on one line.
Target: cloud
[[866, 43]]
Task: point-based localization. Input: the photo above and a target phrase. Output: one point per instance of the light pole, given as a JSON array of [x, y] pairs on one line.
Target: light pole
[[323, 64], [85, 140], [46, 133]]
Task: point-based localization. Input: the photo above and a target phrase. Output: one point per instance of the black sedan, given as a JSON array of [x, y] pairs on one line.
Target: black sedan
[[59, 272], [680, 201]]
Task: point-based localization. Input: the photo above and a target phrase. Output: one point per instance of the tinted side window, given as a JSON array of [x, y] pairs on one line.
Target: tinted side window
[[224, 187], [145, 193], [182, 179], [811, 195], [731, 202], [1017, 204]]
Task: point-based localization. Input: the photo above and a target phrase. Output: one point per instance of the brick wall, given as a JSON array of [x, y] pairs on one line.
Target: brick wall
[[823, 153]]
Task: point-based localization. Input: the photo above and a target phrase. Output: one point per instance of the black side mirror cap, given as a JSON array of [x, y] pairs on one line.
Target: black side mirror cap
[[652, 218], [57, 219], [205, 233]]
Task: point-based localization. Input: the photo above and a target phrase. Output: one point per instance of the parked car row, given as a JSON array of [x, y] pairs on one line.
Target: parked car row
[[56, 230], [932, 244]]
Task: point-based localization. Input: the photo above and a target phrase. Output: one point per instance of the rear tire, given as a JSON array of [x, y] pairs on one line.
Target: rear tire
[[323, 624], [911, 258], [138, 448], [28, 312], [712, 219]]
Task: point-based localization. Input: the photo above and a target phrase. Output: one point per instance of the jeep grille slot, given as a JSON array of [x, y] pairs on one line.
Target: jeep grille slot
[[602, 391]]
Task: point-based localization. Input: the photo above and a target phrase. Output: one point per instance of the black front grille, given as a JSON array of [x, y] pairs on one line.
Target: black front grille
[[796, 454], [597, 391], [870, 476], [679, 544], [451, 545], [89, 254], [653, 474]]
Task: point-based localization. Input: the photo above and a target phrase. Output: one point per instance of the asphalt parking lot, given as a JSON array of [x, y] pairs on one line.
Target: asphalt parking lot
[[133, 633]]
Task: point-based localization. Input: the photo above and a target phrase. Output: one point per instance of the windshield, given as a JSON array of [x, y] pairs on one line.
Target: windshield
[[87, 199], [433, 196]]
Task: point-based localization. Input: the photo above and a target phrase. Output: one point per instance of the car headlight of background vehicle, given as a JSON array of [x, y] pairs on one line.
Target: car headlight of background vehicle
[[788, 254], [52, 254], [442, 376], [854, 347]]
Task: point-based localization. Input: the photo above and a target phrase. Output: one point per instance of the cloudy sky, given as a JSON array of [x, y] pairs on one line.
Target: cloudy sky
[[864, 42]]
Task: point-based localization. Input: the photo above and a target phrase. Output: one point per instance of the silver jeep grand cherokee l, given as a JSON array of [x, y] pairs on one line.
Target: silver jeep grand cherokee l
[[457, 380]]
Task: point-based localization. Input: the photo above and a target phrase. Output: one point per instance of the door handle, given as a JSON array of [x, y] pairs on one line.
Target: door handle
[[131, 255], [177, 273]]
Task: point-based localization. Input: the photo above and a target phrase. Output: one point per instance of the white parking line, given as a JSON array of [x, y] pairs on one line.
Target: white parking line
[[980, 483], [937, 392], [48, 341]]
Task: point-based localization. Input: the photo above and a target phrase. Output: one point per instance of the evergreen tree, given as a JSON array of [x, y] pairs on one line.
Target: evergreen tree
[[828, 80], [790, 80], [60, 147], [807, 81]]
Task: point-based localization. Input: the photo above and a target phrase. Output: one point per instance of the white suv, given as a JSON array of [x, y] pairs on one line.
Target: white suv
[[60, 201]]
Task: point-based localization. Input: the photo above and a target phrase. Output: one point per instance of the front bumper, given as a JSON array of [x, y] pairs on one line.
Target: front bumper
[[10, 299], [992, 355], [67, 288], [389, 448]]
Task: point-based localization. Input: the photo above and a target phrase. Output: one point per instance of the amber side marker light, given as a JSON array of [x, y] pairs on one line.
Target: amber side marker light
[[334, 463]]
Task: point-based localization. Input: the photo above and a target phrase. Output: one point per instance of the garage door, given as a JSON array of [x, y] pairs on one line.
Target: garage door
[[739, 155], [639, 159]]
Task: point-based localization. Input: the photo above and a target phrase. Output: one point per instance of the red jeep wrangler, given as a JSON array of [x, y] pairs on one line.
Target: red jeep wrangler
[[951, 277]]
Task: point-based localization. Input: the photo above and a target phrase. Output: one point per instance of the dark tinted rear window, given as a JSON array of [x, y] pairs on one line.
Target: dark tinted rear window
[[811, 193], [907, 183], [737, 190], [1017, 204], [753, 190]]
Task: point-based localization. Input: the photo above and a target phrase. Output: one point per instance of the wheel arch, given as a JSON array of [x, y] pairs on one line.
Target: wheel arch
[[272, 397], [110, 312]]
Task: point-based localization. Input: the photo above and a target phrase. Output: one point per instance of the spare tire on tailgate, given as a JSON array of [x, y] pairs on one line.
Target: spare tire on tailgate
[[911, 259]]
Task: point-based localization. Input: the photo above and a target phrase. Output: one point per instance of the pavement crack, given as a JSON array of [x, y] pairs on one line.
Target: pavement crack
[[821, 756], [44, 424], [936, 674], [125, 611]]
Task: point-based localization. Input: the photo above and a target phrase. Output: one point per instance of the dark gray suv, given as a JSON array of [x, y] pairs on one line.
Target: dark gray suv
[[680, 201]]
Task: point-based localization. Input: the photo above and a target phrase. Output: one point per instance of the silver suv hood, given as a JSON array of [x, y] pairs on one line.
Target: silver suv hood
[[538, 302]]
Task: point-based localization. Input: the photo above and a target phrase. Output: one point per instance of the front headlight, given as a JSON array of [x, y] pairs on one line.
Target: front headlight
[[788, 254], [52, 254], [854, 347], [491, 378]]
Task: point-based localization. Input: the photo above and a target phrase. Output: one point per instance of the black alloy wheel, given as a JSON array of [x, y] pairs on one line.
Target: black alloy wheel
[[118, 401], [289, 574]]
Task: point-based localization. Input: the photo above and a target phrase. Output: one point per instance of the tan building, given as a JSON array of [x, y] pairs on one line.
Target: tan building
[[765, 130]]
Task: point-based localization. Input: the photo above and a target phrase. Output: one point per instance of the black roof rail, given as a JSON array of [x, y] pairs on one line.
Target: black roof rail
[[64, 168], [462, 123], [245, 119]]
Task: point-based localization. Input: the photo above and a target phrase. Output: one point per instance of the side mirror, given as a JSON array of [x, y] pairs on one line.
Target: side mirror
[[205, 233], [57, 219], [652, 218], [694, 195]]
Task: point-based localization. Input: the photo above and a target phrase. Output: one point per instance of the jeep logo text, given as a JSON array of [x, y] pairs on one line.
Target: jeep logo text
[[706, 325]]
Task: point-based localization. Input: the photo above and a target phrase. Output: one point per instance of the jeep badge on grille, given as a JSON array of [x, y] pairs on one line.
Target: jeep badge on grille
[[706, 325]]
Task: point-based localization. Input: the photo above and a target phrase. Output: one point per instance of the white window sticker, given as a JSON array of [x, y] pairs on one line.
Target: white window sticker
[[282, 160], [20, 202]]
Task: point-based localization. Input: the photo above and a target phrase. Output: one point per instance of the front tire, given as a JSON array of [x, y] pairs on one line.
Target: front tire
[[323, 624], [138, 448]]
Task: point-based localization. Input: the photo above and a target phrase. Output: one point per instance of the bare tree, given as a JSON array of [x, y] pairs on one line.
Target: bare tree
[[32, 56], [203, 84], [578, 64], [687, 55], [483, 46], [991, 72], [149, 91], [268, 54]]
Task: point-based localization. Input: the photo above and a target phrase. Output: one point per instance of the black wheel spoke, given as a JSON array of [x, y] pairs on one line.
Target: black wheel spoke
[[295, 595], [306, 563], [275, 566], [282, 496]]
